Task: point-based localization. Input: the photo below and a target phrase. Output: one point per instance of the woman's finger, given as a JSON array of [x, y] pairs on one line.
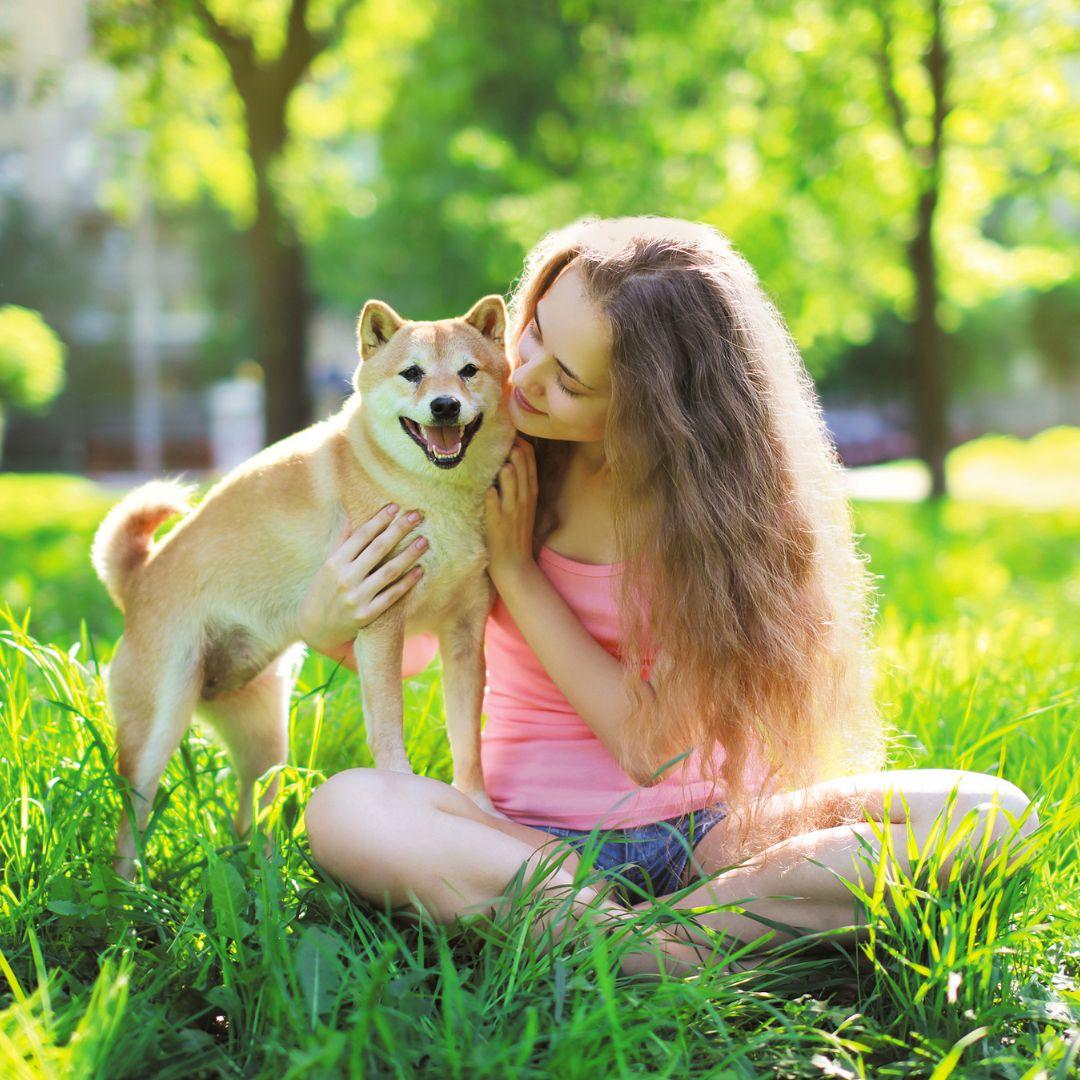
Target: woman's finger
[[385, 542], [521, 476], [395, 567], [381, 601], [356, 540], [508, 486], [530, 466]]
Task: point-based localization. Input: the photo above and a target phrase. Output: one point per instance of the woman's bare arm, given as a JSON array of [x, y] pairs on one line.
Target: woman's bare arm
[[590, 678]]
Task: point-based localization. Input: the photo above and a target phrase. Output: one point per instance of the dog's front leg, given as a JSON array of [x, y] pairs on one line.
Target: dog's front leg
[[378, 648], [461, 644]]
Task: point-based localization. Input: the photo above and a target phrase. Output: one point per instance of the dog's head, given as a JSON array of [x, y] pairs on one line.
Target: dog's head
[[431, 387]]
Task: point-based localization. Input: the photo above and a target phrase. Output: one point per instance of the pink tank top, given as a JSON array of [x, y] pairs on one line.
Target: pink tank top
[[542, 763]]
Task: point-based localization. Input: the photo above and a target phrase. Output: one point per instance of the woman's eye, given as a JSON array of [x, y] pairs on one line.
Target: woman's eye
[[414, 374], [468, 371], [533, 329]]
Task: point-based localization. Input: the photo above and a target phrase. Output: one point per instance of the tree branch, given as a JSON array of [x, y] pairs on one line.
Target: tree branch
[[301, 45], [888, 84], [239, 52], [337, 26], [937, 67]]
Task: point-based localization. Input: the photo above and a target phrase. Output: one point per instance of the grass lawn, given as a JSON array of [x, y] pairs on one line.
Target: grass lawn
[[226, 961]]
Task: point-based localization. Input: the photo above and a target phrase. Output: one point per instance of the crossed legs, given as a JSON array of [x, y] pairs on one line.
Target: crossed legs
[[406, 840], [796, 882]]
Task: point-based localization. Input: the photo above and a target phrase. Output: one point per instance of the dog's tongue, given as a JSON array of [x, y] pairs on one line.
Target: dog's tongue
[[446, 439]]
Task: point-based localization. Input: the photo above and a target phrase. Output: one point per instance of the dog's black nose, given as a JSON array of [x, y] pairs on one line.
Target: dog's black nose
[[444, 410]]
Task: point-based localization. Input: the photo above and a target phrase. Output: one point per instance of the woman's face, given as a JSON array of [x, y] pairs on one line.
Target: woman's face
[[563, 366]]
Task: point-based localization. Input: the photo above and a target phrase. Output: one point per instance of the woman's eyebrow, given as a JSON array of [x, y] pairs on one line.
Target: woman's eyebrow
[[540, 331]]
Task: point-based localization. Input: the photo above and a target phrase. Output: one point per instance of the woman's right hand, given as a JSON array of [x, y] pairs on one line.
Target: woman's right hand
[[347, 592]]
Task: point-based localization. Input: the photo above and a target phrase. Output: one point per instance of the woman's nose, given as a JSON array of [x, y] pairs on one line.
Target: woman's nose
[[524, 376]]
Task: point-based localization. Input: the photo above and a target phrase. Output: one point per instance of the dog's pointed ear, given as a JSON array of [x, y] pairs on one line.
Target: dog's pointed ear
[[489, 317], [377, 324]]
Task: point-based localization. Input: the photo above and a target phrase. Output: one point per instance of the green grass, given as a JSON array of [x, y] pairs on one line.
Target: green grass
[[223, 961]]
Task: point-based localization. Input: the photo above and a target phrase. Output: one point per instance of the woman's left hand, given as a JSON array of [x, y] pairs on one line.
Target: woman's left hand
[[510, 511]]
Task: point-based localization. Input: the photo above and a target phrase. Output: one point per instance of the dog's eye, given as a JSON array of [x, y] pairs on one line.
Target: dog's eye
[[468, 371], [414, 374]]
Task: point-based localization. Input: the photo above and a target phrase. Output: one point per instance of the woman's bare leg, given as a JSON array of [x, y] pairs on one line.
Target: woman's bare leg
[[809, 896], [402, 840]]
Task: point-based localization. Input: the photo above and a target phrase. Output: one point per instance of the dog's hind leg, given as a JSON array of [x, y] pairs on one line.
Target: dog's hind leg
[[152, 695], [253, 722]]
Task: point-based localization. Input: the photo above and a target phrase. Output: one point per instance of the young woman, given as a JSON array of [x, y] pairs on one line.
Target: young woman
[[677, 582]]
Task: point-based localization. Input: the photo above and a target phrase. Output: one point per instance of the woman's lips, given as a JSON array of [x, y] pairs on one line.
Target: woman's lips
[[519, 397]]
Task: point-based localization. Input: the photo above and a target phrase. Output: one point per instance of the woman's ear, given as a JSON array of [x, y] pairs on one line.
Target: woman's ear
[[489, 317], [378, 323]]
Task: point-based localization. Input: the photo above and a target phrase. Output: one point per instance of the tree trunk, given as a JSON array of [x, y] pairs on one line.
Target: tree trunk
[[930, 386], [929, 380], [282, 310], [282, 303]]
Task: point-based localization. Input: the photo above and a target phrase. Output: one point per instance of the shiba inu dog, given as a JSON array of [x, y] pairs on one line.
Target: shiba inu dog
[[211, 610]]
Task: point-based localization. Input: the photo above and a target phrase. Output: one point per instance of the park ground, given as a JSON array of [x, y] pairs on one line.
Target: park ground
[[223, 961]]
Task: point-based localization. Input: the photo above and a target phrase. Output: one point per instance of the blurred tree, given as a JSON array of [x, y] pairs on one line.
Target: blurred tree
[[216, 87], [912, 155], [1055, 327], [975, 92], [31, 361]]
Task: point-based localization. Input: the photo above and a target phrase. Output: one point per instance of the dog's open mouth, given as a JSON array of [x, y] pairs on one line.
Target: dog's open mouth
[[445, 444]]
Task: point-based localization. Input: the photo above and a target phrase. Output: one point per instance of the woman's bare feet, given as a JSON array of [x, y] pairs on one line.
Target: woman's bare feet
[[678, 952], [662, 953]]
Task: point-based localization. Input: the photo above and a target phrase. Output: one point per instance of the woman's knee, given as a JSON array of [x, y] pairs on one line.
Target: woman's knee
[[930, 793], [989, 795], [1019, 817], [355, 810], [997, 811]]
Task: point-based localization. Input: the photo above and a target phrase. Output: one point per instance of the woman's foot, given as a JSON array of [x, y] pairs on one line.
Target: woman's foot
[[671, 951], [663, 952]]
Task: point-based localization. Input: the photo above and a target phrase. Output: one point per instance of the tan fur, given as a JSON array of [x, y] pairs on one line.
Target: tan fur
[[211, 611], [122, 543]]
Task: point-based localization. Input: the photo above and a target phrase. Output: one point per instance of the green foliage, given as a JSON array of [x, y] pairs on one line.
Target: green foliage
[[47, 525], [31, 359]]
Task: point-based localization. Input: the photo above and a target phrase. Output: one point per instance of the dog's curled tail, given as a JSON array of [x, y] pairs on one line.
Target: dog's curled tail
[[122, 542]]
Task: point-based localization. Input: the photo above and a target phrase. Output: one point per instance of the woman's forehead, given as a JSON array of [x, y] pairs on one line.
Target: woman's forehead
[[574, 329]]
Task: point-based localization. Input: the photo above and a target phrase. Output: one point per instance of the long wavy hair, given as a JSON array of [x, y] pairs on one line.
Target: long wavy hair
[[743, 598]]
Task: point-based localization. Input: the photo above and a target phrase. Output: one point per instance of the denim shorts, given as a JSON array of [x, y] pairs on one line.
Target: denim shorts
[[651, 858]]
